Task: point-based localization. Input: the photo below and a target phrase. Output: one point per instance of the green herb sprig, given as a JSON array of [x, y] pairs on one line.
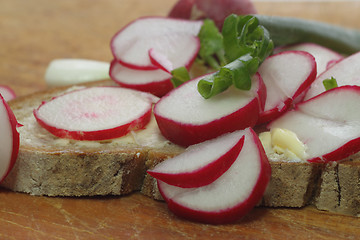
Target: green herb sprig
[[330, 83], [235, 54]]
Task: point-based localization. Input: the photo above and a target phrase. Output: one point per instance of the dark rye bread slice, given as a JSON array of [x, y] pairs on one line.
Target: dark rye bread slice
[[339, 187], [331, 187], [292, 184], [51, 166]]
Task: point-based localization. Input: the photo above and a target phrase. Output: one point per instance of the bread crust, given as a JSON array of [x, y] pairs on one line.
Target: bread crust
[[50, 166]]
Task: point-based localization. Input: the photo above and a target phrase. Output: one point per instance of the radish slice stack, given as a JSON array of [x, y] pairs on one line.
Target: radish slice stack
[[153, 46], [173, 38], [96, 113], [328, 124], [9, 139], [324, 57], [155, 81], [287, 76], [202, 163], [185, 117], [231, 195]]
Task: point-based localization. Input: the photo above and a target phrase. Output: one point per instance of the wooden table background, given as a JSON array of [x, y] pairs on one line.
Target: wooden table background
[[32, 33]]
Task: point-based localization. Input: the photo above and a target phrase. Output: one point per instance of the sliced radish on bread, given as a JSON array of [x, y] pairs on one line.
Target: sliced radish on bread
[[229, 197], [346, 72], [161, 61], [156, 81], [202, 163], [96, 113], [173, 38], [7, 93], [9, 139], [287, 76], [328, 124], [185, 117], [324, 57]]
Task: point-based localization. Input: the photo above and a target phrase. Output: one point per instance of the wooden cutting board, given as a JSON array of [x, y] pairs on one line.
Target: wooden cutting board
[[32, 33]]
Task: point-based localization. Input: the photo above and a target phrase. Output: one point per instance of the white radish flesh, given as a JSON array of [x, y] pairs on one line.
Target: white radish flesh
[[62, 72], [176, 39], [286, 75], [7, 93], [186, 118], [328, 125], [202, 163], [324, 57], [9, 139], [346, 72], [96, 113], [156, 81], [229, 197]]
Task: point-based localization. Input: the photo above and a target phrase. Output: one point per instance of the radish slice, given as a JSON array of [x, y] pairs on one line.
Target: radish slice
[[96, 113], [324, 57], [328, 124], [7, 93], [200, 164], [9, 139], [229, 197], [160, 60], [346, 72], [62, 72], [156, 81], [174, 38], [287, 75], [185, 117]]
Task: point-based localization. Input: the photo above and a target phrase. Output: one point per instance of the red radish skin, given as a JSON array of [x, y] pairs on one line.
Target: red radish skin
[[188, 103], [324, 57], [161, 61], [156, 82], [174, 38], [287, 76], [7, 93], [231, 196], [327, 124], [208, 160], [217, 10], [99, 113], [346, 72], [9, 139]]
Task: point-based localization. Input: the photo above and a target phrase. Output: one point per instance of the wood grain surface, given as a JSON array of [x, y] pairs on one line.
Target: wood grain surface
[[32, 33]]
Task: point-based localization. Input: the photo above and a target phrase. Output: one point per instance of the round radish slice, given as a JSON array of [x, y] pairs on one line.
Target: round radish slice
[[96, 113], [185, 117], [287, 76], [174, 38], [328, 124], [7, 93], [9, 139], [229, 197], [156, 81], [200, 164]]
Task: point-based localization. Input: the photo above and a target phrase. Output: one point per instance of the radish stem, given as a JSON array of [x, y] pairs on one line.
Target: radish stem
[[288, 30]]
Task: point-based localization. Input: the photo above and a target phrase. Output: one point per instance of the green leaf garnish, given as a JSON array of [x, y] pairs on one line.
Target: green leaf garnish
[[236, 53], [179, 76], [246, 45], [211, 45], [330, 83]]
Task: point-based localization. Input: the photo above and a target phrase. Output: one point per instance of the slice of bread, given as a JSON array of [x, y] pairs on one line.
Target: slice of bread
[[51, 166]]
